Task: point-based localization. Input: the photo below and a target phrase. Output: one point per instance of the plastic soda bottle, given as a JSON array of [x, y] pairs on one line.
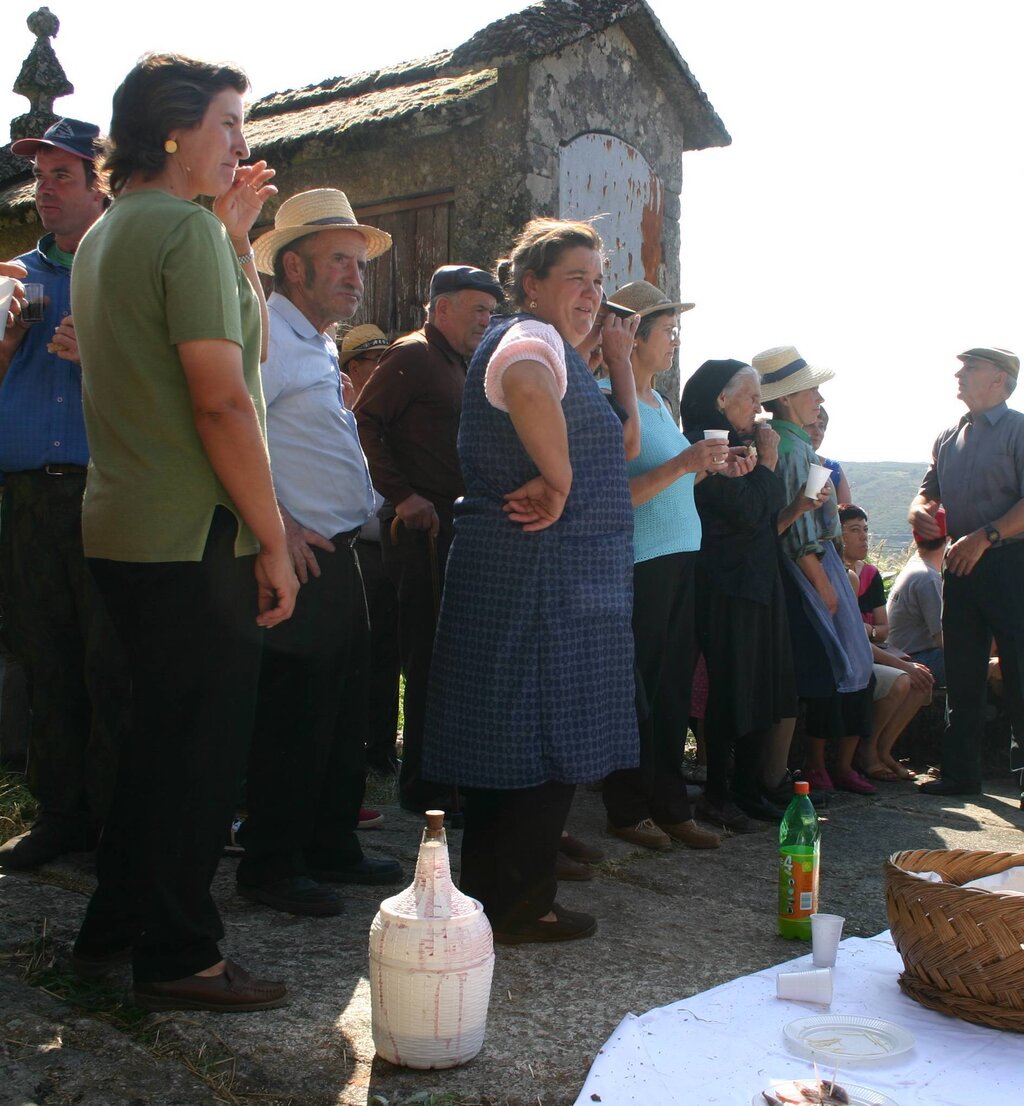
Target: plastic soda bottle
[[799, 857]]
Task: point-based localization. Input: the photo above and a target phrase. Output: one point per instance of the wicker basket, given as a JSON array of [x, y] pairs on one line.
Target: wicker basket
[[962, 949]]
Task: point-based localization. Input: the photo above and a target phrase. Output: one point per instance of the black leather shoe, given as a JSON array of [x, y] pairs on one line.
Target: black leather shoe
[[294, 895], [944, 786], [370, 871], [96, 965], [570, 925], [760, 808], [728, 816], [45, 841]]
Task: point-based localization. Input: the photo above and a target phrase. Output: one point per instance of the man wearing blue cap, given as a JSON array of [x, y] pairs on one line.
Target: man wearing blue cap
[[57, 626], [408, 415]]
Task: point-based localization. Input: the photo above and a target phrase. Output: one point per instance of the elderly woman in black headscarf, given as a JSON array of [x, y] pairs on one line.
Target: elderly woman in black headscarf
[[741, 608]]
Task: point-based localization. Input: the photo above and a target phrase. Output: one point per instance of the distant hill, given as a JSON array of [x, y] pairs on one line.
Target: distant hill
[[884, 489]]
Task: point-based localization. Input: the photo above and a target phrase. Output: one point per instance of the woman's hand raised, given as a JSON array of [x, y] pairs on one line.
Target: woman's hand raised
[[617, 337], [239, 207]]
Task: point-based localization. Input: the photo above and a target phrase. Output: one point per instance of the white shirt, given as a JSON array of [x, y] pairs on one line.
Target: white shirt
[[319, 470]]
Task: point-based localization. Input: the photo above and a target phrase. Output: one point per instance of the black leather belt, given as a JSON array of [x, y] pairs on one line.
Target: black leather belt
[[53, 470]]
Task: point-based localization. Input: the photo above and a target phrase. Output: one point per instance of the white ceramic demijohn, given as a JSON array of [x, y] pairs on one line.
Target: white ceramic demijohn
[[431, 959]]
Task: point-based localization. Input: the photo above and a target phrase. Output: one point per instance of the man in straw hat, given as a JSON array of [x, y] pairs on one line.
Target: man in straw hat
[[977, 474], [408, 422], [57, 624], [306, 771]]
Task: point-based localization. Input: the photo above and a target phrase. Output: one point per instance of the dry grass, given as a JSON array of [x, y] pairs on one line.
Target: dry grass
[[17, 807]]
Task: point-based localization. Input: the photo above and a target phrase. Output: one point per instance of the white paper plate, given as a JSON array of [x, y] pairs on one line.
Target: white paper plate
[[847, 1040], [859, 1096]]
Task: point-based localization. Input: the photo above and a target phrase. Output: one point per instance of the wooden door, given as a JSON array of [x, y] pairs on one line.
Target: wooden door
[[397, 282]]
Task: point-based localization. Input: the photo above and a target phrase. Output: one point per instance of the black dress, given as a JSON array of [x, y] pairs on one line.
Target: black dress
[[741, 623]]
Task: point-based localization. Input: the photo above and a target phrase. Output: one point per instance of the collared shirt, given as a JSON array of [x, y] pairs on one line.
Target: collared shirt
[[41, 420], [318, 466], [408, 415], [977, 469], [812, 529]]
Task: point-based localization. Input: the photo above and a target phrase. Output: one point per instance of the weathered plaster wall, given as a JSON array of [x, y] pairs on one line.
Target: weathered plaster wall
[[600, 84]]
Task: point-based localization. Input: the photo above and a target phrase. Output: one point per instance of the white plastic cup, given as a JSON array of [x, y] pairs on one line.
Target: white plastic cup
[[6, 291], [817, 478], [826, 932], [814, 985], [717, 436]]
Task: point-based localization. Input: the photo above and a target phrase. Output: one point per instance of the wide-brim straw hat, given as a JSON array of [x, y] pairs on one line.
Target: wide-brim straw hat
[[643, 298], [361, 338], [308, 213], [783, 372]]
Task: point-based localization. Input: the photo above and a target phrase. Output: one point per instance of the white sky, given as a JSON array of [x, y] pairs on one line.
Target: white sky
[[868, 211]]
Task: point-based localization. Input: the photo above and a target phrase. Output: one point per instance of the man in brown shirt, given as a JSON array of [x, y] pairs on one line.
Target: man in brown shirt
[[408, 416]]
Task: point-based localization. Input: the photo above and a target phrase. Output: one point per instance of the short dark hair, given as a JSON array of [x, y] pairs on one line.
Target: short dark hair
[[643, 331], [850, 511], [930, 544], [538, 248], [164, 92]]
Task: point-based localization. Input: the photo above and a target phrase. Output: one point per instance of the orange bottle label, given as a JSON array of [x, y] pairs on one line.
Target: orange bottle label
[[798, 883]]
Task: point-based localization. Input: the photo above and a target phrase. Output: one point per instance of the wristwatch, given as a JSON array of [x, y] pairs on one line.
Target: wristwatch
[[992, 534]]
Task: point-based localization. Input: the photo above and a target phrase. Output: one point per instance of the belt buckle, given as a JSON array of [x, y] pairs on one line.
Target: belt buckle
[[53, 470]]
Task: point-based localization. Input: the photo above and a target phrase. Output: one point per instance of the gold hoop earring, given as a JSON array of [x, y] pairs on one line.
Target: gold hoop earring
[[532, 305], [170, 146]]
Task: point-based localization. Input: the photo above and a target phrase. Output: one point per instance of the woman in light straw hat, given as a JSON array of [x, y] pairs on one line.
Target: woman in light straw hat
[[831, 654], [648, 805]]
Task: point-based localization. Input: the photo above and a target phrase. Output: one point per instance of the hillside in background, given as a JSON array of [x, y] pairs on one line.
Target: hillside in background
[[884, 489]]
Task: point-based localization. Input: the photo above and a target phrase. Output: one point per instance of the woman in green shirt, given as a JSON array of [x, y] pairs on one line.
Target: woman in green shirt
[[179, 515]]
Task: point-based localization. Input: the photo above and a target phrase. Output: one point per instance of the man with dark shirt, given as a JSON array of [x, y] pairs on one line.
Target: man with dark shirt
[[977, 474], [408, 415], [57, 625]]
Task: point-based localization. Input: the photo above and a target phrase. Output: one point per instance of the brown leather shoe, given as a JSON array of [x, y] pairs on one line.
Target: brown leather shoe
[[567, 868], [644, 833], [691, 835], [234, 990], [579, 850]]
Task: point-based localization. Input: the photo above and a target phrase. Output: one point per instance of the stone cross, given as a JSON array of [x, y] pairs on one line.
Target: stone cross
[[42, 78]]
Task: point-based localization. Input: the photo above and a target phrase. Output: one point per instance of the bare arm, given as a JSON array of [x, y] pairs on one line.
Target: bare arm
[[921, 516], [230, 433], [800, 506], [617, 337], [812, 568], [695, 458], [843, 489], [238, 210], [880, 626], [535, 408]]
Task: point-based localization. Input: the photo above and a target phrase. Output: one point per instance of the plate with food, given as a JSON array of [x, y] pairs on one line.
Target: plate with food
[[848, 1039], [819, 1092]]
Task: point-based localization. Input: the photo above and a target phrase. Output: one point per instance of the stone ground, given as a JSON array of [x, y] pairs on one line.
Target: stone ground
[[671, 925]]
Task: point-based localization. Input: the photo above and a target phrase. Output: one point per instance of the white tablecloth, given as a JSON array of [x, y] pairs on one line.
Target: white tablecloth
[[726, 1044]]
